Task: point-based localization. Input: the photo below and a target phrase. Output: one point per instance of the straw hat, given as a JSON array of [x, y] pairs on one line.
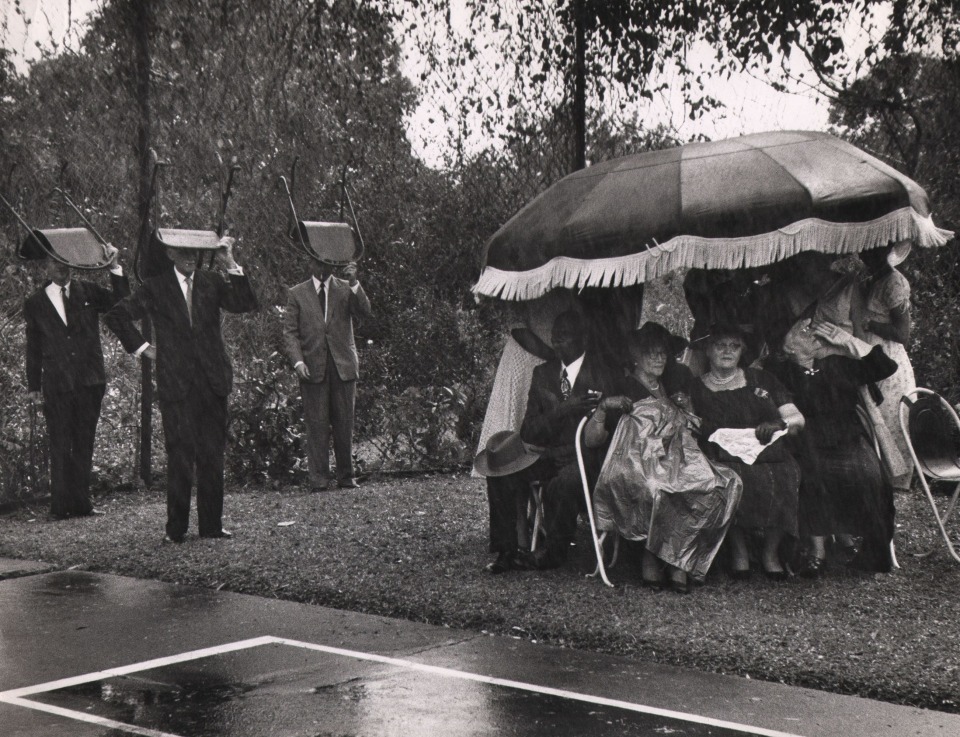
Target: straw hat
[[899, 252], [504, 454]]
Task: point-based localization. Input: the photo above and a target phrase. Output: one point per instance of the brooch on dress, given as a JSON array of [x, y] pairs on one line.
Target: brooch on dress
[[811, 371], [762, 393]]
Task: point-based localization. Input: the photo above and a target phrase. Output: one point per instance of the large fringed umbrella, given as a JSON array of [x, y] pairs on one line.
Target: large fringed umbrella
[[741, 202]]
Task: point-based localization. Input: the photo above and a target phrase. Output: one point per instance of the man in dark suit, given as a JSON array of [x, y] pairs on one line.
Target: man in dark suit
[[562, 392], [65, 371], [318, 340], [194, 375]]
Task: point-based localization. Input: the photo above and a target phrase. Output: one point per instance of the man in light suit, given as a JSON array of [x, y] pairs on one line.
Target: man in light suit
[[318, 340], [65, 371], [194, 375]]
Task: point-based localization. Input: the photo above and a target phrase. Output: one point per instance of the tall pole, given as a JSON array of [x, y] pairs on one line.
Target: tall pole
[[580, 90], [142, 12]]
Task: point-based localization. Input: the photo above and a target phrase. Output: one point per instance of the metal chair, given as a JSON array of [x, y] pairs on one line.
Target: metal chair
[[530, 529], [932, 431]]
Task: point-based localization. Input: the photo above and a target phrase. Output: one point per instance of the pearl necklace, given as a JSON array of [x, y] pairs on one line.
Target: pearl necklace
[[722, 382]]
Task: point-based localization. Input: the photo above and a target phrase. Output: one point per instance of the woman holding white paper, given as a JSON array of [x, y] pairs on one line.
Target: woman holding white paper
[[728, 396]]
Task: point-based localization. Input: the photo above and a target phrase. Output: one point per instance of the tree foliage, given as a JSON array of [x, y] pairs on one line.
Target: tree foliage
[[500, 58], [905, 110]]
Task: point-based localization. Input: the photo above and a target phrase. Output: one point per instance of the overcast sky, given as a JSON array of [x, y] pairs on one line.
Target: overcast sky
[[750, 104]]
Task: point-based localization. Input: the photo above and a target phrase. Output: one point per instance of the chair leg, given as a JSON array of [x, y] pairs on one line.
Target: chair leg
[[613, 555], [942, 520], [536, 499]]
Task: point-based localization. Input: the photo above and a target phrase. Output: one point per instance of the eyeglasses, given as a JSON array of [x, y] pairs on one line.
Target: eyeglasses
[[725, 345]]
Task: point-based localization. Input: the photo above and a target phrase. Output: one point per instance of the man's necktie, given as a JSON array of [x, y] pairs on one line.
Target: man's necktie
[[189, 282], [564, 384], [322, 296], [66, 306]]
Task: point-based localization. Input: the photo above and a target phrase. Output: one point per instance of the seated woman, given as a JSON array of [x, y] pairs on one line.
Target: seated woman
[[843, 491], [656, 486], [728, 396]]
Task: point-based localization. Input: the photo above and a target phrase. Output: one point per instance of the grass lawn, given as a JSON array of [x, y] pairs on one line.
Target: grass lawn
[[416, 548]]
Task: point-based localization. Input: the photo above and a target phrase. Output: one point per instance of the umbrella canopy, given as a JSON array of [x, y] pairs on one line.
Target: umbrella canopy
[[747, 201]]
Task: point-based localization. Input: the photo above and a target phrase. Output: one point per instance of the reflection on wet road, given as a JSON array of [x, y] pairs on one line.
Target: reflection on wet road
[[290, 691], [93, 655]]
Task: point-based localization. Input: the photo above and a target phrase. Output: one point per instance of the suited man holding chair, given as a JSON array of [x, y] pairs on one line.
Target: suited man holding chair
[[194, 376], [318, 340], [64, 364]]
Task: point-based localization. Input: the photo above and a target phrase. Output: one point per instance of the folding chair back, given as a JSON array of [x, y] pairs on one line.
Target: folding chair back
[[935, 436], [932, 431]]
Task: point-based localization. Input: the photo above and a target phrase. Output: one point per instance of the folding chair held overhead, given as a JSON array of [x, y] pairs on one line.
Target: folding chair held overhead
[[932, 430]]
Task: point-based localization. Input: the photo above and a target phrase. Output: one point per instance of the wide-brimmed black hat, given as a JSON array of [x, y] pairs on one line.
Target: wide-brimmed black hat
[[77, 247], [330, 243], [728, 330], [653, 333], [532, 343], [505, 453]]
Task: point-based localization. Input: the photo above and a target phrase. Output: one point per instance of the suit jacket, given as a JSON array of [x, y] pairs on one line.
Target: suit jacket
[[62, 358], [307, 336], [184, 351], [544, 423]]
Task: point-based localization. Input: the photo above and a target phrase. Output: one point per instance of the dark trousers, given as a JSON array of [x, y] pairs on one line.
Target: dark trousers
[[72, 428], [328, 405], [507, 497], [562, 502], [195, 435]]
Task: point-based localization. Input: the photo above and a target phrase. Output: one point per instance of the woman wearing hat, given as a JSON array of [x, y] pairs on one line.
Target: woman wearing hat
[[843, 489], [728, 396], [887, 323], [656, 487]]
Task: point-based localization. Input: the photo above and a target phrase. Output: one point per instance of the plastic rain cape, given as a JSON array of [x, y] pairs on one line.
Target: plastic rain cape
[[656, 485]]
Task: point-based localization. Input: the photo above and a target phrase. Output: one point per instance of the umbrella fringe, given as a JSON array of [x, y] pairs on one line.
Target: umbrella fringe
[[686, 251]]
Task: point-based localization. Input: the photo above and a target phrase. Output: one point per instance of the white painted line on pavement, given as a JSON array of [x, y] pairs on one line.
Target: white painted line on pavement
[[81, 716], [15, 696], [546, 690]]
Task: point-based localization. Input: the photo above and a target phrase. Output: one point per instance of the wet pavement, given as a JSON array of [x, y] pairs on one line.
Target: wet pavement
[[89, 654]]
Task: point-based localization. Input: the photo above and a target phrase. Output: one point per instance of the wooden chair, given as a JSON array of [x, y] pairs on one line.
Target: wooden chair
[[932, 431]]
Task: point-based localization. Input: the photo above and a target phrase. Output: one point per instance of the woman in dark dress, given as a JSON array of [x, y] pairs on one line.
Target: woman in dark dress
[[656, 486], [844, 491], [727, 396]]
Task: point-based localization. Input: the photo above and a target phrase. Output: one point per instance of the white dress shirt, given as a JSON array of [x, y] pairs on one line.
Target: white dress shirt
[[56, 296], [573, 370]]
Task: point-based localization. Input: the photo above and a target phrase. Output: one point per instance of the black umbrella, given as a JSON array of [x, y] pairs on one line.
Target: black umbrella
[[747, 201]]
